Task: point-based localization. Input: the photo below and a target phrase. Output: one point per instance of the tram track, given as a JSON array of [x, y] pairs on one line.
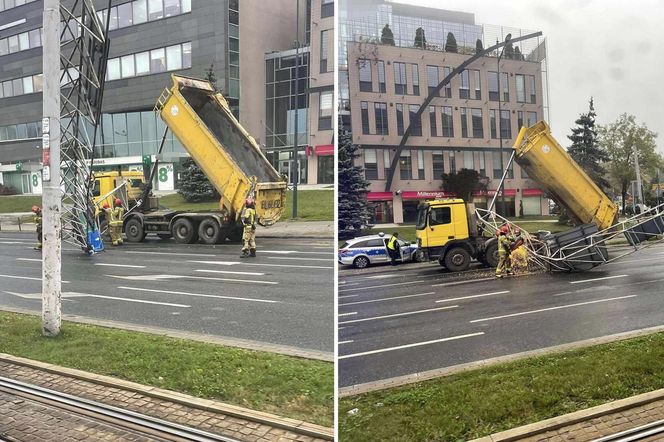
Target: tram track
[[649, 432]]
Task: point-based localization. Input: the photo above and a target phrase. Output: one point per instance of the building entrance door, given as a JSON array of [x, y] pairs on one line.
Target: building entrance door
[[25, 183]]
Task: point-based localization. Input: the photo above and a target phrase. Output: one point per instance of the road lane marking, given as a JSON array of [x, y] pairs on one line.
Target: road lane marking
[[401, 314], [119, 265], [552, 308], [382, 276], [170, 254], [346, 342], [166, 277], [200, 295], [386, 299], [67, 295], [29, 278], [29, 259], [417, 344], [347, 314], [473, 296], [563, 293], [5, 238], [598, 279], [232, 263], [446, 284], [621, 261], [13, 243], [230, 273], [379, 286], [347, 296], [300, 259], [289, 252]]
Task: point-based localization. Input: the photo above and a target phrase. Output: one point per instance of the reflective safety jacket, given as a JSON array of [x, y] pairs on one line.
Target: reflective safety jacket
[[392, 243], [38, 220], [249, 217], [504, 244], [115, 216]]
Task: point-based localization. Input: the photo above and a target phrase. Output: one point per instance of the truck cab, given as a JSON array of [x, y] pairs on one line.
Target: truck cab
[[105, 182]]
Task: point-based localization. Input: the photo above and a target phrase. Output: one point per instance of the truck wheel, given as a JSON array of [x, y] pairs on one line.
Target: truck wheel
[[134, 230], [184, 232], [491, 255], [209, 231], [361, 262], [457, 259]]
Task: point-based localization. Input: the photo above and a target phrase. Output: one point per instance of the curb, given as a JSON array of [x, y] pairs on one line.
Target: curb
[[399, 381], [209, 339], [573, 418], [296, 426]]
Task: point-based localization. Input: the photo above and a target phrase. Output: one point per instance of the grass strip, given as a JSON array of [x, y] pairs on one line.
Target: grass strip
[[287, 386], [19, 203], [484, 401]]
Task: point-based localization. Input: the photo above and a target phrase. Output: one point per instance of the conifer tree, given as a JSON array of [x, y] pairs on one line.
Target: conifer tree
[[386, 36], [451, 43], [586, 150], [353, 212], [194, 185]]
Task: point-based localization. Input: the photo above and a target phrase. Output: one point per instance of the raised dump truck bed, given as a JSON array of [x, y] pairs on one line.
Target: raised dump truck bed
[[545, 161]]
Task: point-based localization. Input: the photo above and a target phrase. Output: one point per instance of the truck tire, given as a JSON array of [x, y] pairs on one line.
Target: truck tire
[[491, 255], [209, 231], [184, 232], [457, 259], [134, 230]]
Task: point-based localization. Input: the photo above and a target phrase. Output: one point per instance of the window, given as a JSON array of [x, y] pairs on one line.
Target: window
[[113, 69], [416, 79], [432, 121], [468, 160], [365, 117], [155, 9], [370, 164], [478, 123], [23, 41], [520, 88], [479, 156], [323, 50], [386, 162], [13, 44], [365, 76], [35, 38], [381, 77], [505, 86], [415, 120], [125, 15], [171, 8], [157, 60], [140, 11], [448, 125], [327, 8], [432, 78], [438, 164], [478, 85], [174, 57], [510, 171], [448, 88], [27, 85], [420, 165], [142, 63], [505, 125], [452, 162], [464, 88], [532, 118], [519, 119], [492, 77], [186, 6], [128, 67], [400, 87], [381, 118], [4, 46], [492, 123], [440, 215], [464, 123], [532, 89], [399, 108], [325, 111], [405, 165], [497, 169], [186, 55]]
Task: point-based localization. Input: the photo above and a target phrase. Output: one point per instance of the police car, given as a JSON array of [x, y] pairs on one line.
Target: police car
[[362, 251]]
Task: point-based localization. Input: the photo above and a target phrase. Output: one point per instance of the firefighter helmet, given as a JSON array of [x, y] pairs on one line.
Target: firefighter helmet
[[249, 202], [504, 229], [105, 206], [118, 202], [36, 209]]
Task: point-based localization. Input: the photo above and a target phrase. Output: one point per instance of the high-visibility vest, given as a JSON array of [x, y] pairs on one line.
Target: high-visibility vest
[[115, 216], [504, 244], [391, 244], [249, 217]]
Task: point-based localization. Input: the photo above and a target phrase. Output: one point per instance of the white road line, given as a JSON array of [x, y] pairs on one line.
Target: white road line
[[230, 273], [29, 259], [200, 295], [379, 286], [598, 279], [26, 277], [472, 296], [552, 308], [166, 277], [119, 265], [417, 344], [347, 314], [620, 261], [204, 255], [231, 263], [289, 252], [14, 239], [347, 296], [563, 293], [300, 259], [387, 299], [446, 284], [141, 301], [400, 314], [382, 276], [13, 243], [346, 342]]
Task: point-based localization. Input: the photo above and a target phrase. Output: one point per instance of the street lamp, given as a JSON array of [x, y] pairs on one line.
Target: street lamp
[[508, 37]]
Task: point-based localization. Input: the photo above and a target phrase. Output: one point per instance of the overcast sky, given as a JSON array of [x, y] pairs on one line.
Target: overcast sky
[[612, 50]]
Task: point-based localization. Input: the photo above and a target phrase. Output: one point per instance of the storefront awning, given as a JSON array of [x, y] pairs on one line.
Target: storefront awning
[[532, 192], [325, 149], [426, 195], [506, 192], [379, 196]]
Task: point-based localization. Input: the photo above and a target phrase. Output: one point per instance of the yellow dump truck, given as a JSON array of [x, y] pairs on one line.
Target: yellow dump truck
[[448, 231], [106, 182], [231, 159]]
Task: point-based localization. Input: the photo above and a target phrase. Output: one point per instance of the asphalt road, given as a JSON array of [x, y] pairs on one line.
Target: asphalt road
[[285, 296], [419, 317]]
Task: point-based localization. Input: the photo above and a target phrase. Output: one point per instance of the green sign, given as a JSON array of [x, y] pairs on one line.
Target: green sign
[[163, 174], [19, 166], [147, 161]]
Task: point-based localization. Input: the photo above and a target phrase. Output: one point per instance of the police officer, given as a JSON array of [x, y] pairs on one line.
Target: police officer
[[115, 217], [37, 218], [504, 251], [393, 247], [249, 233]]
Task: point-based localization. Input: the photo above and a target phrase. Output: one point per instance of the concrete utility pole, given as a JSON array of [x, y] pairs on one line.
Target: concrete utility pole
[[51, 194], [296, 165], [639, 190]]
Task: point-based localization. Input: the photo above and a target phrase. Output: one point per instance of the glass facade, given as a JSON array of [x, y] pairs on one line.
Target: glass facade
[[9, 4], [234, 49], [22, 131], [171, 58]]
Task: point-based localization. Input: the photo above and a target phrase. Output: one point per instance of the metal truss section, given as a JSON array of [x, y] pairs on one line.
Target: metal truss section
[[583, 247], [84, 52]]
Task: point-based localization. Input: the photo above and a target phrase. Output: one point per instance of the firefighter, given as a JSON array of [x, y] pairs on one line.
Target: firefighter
[[249, 234], [38, 223], [393, 247], [115, 217], [504, 250]]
